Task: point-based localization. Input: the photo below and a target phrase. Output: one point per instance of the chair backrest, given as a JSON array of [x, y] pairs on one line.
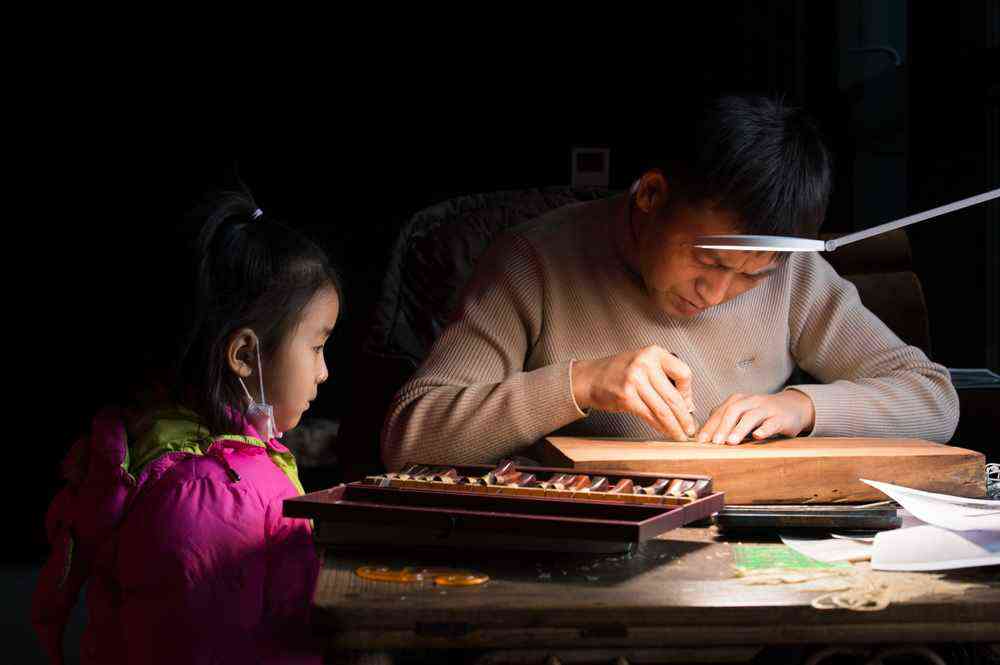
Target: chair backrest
[[434, 256], [438, 248], [882, 270]]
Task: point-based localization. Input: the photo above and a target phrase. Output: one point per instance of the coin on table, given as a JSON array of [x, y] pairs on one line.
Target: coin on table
[[461, 579], [386, 574], [429, 573]]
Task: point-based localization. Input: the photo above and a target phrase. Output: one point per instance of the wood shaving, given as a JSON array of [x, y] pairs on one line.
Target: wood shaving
[[855, 589]]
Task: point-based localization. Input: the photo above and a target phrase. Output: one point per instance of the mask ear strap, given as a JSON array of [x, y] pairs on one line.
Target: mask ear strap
[[249, 396], [260, 374]]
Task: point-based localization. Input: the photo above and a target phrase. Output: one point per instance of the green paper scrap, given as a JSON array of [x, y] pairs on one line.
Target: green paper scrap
[[762, 557]]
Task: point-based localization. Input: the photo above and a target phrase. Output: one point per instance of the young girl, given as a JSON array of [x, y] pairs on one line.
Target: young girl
[[173, 510]]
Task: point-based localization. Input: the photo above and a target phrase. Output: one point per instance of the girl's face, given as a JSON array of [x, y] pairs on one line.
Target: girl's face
[[293, 375]]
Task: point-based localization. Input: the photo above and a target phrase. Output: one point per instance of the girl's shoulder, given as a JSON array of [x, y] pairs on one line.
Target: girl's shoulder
[[227, 470], [174, 449]]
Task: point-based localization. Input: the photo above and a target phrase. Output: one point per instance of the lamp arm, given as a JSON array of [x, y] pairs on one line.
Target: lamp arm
[[912, 219]]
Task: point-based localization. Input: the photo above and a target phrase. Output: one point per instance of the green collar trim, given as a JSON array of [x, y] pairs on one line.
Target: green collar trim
[[178, 431]]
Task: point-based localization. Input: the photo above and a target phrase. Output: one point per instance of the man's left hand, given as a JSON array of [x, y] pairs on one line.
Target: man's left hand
[[789, 412]]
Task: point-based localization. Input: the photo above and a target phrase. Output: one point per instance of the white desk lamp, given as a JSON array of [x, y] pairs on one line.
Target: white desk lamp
[[792, 244]]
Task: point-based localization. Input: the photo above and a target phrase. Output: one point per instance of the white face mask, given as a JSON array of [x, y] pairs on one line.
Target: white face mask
[[260, 414]]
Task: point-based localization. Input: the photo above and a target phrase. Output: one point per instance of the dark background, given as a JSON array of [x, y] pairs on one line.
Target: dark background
[[906, 137]]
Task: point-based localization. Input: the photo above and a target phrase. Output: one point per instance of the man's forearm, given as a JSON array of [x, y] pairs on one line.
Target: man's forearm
[[432, 420], [913, 403]]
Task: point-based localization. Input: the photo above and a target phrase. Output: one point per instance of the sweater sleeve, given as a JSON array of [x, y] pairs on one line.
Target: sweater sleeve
[[873, 383], [472, 400]]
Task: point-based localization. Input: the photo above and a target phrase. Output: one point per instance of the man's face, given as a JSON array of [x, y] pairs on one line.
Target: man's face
[[682, 279]]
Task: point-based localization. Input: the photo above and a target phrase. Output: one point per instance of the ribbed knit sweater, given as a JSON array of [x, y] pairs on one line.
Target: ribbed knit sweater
[[556, 290]]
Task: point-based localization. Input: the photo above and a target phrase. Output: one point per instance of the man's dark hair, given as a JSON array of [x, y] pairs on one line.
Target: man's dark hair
[[760, 159]]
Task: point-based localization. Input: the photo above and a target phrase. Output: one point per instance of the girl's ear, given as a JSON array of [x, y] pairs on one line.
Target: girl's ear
[[241, 349]]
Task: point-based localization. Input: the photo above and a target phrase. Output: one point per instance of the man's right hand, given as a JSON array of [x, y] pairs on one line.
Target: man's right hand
[[639, 382]]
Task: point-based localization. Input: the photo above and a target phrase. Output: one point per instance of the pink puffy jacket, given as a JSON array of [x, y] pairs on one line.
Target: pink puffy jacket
[[183, 546]]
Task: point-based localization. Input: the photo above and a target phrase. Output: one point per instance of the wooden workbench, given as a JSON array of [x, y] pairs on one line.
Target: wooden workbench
[[677, 591]]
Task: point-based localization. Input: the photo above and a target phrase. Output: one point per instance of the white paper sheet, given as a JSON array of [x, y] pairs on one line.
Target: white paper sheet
[[950, 512], [829, 550], [929, 547], [856, 538]]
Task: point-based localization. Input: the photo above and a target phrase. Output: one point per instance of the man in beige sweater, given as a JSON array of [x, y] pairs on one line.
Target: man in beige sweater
[[603, 319]]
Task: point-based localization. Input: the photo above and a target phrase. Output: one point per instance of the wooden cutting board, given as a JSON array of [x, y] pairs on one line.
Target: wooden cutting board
[[803, 470]]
